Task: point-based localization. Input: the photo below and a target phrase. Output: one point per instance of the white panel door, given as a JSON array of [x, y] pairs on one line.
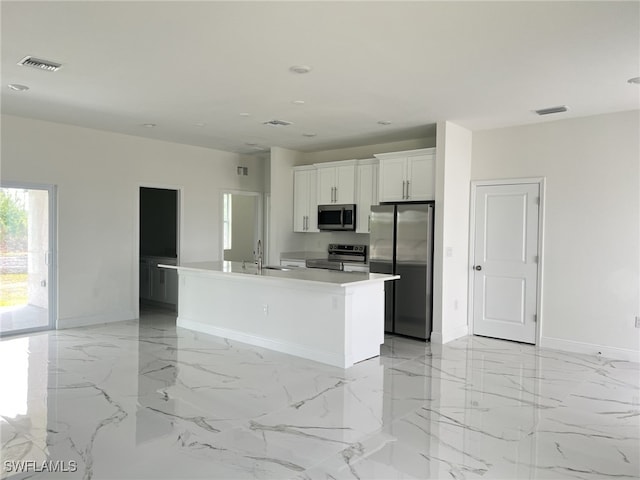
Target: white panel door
[[506, 261]]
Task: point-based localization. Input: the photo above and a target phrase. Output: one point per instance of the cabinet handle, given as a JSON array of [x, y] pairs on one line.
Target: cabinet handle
[[408, 190], [404, 183], [304, 222], [369, 224]]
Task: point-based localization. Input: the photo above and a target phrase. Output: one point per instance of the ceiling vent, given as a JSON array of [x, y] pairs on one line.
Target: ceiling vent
[[40, 64], [548, 111], [277, 123]]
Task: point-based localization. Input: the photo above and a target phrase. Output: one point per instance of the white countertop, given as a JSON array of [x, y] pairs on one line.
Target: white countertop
[[307, 275]]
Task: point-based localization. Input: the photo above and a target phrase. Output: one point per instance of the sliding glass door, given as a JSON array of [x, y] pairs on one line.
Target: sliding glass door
[[27, 262]]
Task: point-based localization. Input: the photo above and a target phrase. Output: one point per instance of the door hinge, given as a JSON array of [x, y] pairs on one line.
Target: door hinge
[[535, 318], [535, 259], [537, 200]]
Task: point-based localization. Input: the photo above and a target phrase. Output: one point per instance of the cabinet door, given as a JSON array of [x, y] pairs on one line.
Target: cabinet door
[[171, 286], [312, 202], [392, 179], [367, 193], [345, 184], [420, 175], [145, 280], [326, 185], [300, 200], [158, 285]]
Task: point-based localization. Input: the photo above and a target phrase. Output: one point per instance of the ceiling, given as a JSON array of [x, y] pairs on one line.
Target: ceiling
[[194, 68]]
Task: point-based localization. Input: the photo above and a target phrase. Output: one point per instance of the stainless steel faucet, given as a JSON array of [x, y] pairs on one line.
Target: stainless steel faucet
[[259, 256]]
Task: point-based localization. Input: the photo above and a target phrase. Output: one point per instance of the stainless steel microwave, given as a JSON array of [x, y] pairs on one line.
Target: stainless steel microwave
[[337, 217]]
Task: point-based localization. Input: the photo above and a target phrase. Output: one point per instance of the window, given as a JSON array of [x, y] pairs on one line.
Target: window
[[226, 221]]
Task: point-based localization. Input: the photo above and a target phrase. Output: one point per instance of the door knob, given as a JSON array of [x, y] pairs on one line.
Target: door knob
[[478, 267]]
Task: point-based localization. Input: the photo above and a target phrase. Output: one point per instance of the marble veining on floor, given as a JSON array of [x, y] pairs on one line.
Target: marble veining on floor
[[146, 400]]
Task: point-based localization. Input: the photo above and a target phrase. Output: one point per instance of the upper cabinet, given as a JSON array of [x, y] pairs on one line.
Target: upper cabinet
[[336, 182], [305, 205], [407, 176], [366, 193]]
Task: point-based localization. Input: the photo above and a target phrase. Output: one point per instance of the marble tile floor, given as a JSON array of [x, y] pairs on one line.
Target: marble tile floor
[[146, 400]]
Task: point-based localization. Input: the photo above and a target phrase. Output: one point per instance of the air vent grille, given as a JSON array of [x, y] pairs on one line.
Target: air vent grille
[[47, 65], [277, 123], [548, 111]]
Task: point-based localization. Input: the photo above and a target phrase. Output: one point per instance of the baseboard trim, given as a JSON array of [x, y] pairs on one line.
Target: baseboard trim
[[590, 349], [74, 322], [328, 358], [440, 339]]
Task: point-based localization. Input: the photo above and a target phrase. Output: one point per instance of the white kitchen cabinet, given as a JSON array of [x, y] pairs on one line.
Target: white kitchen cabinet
[[336, 182], [366, 193], [407, 176], [158, 284], [305, 203]]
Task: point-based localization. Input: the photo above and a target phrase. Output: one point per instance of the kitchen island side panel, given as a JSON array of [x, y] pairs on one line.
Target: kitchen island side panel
[[331, 324]]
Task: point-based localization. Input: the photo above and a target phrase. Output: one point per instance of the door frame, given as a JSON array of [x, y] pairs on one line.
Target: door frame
[[52, 257], [541, 182], [136, 234], [259, 225]]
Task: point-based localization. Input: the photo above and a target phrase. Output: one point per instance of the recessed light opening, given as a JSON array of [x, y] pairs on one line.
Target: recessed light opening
[[277, 123], [17, 87], [300, 69]]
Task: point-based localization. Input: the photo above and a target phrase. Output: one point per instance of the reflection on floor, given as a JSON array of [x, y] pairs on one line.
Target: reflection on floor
[[147, 400], [23, 317]]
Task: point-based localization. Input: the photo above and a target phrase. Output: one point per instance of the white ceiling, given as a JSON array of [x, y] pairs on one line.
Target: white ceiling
[[178, 64]]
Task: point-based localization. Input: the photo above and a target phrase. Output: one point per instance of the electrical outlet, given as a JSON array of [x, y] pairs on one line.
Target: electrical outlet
[[638, 322]]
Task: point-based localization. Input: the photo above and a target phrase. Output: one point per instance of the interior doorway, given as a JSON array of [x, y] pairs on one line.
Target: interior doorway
[[241, 225], [505, 258], [159, 239], [27, 258]]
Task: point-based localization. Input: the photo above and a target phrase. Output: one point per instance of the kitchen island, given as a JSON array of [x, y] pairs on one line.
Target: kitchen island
[[331, 317]]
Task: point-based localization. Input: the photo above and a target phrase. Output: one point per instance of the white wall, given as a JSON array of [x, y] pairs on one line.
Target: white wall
[[591, 262], [98, 175], [451, 239], [281, 236]]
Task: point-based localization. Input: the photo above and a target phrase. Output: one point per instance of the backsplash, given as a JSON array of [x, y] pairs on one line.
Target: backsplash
[[318, 242]]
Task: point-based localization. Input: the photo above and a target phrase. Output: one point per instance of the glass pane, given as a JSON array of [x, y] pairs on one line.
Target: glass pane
[[24, 269]]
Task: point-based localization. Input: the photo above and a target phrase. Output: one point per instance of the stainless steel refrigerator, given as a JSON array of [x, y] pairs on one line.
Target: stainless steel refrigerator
[[401, 243]]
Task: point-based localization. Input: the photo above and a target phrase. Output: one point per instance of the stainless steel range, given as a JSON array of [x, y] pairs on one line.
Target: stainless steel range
[[338, 255]]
